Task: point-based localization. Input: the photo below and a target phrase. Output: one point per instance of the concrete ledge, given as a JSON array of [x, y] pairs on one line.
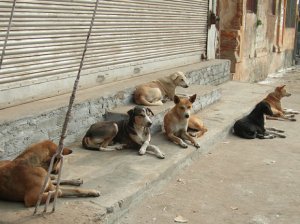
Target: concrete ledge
[[25, 124], [206, 95]]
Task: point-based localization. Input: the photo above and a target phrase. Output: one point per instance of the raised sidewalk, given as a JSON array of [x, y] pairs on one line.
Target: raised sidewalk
[[124, 178]]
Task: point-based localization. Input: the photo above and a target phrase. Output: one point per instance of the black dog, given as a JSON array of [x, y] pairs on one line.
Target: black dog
[[253, 125], [132, 133]]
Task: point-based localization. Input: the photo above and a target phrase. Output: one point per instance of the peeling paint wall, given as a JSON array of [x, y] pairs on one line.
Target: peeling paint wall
[[257, 43]]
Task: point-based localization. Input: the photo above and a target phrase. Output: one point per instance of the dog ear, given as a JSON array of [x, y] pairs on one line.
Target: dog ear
[[149, 111], [279, 88], [130, 112], [193, 98], [174, 76], [67, 151], [176, 99]]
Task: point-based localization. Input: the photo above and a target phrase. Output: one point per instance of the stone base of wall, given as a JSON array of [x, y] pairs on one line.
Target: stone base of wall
[[25, 124]]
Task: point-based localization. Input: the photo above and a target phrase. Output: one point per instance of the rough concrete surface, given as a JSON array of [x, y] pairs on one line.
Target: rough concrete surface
[[43, 119], [222, 179], [238, 181]]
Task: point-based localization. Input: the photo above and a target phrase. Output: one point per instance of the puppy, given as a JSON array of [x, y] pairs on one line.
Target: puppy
[[274, 99], [176, 121], [155, 92], [22, 178], [132, 133], [253, 125], [196, 127]]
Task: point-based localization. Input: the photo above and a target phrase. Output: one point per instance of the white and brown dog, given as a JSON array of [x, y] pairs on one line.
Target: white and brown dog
[[133, 133], [176, 121], [155, 93]]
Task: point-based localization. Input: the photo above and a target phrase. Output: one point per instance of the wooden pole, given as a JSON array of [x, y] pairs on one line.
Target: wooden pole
[[60, 147]]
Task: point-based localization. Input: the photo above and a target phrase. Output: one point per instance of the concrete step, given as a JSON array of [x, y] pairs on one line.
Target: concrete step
[[125, 178], [25, 124], [206, 95]]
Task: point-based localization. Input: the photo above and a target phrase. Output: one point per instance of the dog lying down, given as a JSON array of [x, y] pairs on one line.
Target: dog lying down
[[274, 99], [253, 125], [176, 121], [22, 178], [156, 92], [133, 133]]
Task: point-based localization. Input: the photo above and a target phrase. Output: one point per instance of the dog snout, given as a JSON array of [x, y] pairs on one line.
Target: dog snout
[[187, 115], [186, 86], [149, 123]]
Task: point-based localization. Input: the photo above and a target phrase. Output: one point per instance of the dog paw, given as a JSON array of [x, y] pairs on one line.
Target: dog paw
[[142, 152], [183, 145], [197, 145], [94, 193], [119, 147], [269, 136], [161, 155]]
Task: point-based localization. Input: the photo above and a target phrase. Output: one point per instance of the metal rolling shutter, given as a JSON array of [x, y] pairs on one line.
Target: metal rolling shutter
[[47, 37]]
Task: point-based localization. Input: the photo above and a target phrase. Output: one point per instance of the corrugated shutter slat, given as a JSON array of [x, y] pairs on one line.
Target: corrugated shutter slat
[[47, 37]]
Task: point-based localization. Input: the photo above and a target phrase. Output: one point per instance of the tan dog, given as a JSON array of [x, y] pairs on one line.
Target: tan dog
[[155, 93], [176, 121], [196, 126], [273, 99], [22, 178]]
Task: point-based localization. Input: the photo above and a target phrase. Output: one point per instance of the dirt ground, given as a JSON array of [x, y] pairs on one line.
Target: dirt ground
[[239, 181]]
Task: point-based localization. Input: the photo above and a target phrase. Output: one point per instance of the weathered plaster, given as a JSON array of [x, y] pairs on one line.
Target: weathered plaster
[[255, 50]]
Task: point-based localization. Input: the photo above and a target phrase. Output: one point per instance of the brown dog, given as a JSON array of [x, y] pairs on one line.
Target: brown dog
[[196, 126], [155, 92], [176, 121], [22, 178], [273, 99]]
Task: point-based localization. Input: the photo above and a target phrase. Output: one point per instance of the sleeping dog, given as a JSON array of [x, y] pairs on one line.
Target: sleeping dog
[[132, 133], [253, 125], [156, 92], [22, 178]]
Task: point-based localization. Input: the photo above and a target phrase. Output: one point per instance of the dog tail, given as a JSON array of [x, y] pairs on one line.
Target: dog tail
[[143, 101]]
